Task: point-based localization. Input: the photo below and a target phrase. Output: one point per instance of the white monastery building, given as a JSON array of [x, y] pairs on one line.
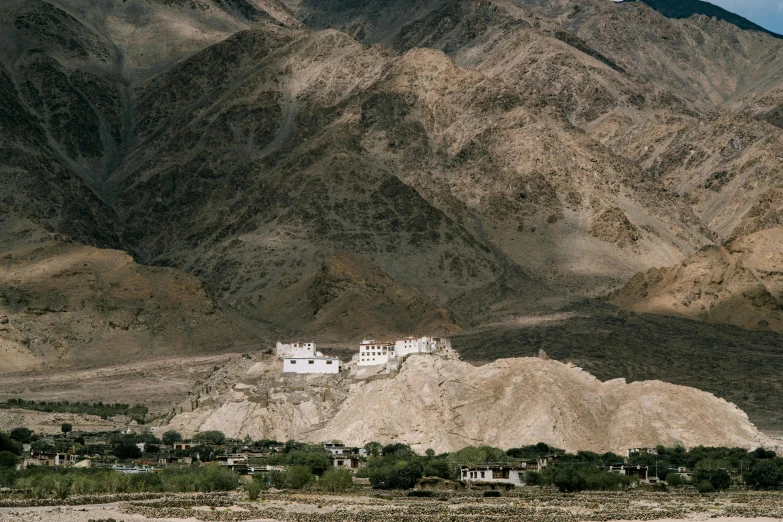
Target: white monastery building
[[373, 352], [301, 357], [296, 349]]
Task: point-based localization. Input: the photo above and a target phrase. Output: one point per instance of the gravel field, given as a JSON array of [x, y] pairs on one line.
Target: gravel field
[[536, 505]]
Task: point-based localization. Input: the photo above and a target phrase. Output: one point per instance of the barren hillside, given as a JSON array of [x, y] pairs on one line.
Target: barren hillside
[[446, 404]]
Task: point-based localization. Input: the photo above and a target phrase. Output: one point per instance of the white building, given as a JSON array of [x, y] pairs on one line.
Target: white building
[[425, 344], [311, 365], [296, 349], [494, 474], [373, 352]]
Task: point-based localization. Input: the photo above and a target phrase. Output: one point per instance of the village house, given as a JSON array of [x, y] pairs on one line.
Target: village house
[[632, 452], [640, 472], [50, 459], [350, 462], [500, 474], [337, 448]]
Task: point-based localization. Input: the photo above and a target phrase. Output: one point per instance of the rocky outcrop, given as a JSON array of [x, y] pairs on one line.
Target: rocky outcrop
[[446, 404], [739, 284], [64, 304]]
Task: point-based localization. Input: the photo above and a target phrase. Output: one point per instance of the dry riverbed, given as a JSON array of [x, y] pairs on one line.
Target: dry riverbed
[[527, 504]]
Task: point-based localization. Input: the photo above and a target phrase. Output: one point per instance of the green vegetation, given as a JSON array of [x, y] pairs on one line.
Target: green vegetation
[[104, 411], [171, 437], [66, 428], [64, 482]]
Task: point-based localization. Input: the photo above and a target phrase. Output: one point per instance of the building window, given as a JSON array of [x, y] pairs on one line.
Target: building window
[[328, 362], [482, 474], [293, 362], [310, 362]]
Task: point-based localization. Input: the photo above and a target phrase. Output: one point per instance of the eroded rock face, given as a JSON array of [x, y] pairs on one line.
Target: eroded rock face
[[739, 284], [446, 404]]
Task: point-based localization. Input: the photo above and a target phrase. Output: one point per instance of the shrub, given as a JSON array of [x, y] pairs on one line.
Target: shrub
[[215, 477], [493, 493], [253, 489], [532, 478], [675, 479], [705, 486], [66, 427], [297, 477], [336, 480]]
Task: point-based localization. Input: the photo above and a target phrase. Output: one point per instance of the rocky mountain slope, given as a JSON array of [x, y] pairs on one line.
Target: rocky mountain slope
[[740, 284], [492, 160], [62, 304], [446, 404]]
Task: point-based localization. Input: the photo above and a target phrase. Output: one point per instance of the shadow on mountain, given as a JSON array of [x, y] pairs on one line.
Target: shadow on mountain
[[741, 366], [680, 9]]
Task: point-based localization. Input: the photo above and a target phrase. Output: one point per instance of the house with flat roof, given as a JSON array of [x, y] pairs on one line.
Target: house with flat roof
[[494, 474]]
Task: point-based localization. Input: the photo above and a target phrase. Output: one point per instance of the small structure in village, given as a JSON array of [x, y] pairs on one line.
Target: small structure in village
[[632, 452], [372, 352], [494, 475], [300, 357]]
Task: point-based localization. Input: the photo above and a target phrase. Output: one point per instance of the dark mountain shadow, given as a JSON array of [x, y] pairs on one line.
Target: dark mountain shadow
[[741, 366], [686, 9]]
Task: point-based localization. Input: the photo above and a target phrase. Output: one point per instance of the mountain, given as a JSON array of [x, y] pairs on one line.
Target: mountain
[[286, 167]]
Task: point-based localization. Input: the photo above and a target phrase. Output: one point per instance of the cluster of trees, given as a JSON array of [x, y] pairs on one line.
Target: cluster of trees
[[137, 412], [716, 468], [64, 482]]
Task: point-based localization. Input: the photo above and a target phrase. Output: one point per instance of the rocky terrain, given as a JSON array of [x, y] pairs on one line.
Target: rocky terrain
[[197, 177], [521, 504], [740, 283], [445, 404]]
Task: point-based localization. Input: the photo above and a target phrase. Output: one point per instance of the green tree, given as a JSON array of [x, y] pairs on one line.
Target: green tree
[[66, 427], [127, 450], [765, 474], [532, 478], [8, 460], [336, 480], [9, 444], [297, 477], [213, 436], [171, 437], [21, 435], [714, 472], [373, 449]]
